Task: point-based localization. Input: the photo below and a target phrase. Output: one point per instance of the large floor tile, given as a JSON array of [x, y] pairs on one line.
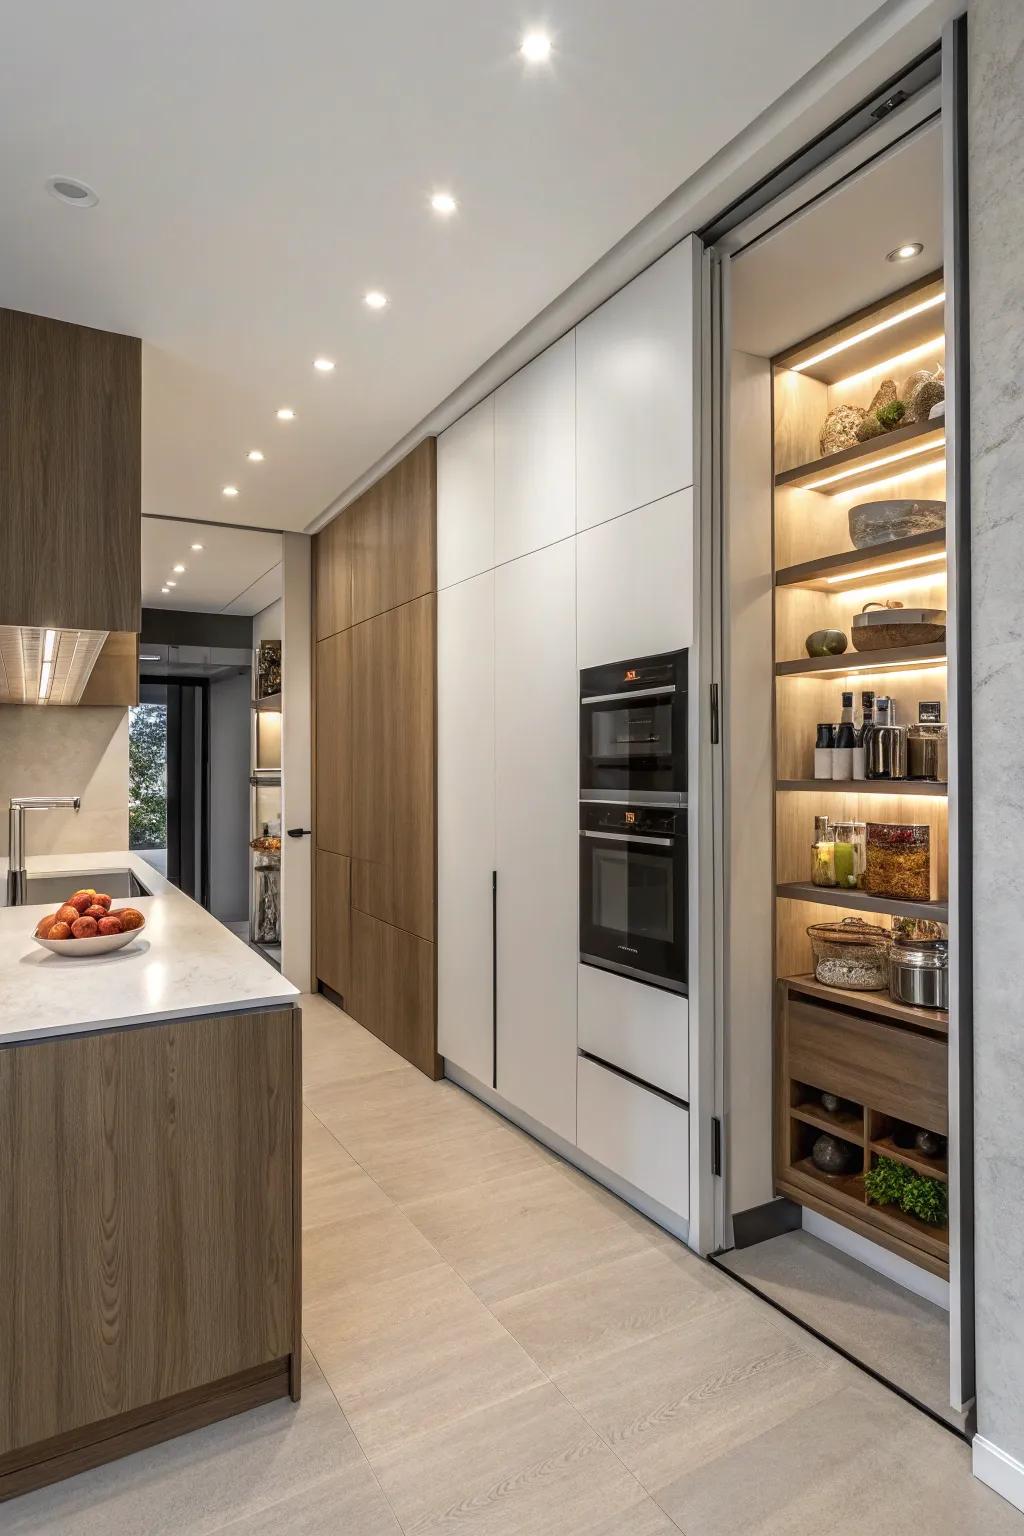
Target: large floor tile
[[407, 1355], [333, 1184], [516, 1233], [679, 1399], [573, 1322], [357, 1250], [198, 1483], [335, 1047], [529, 1465]]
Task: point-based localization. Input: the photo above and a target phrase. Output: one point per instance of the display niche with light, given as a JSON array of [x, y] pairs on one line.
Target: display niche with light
[[859, 524]]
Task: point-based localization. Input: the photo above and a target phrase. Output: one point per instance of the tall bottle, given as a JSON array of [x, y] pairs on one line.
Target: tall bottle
[[867, 704], [846, 740]]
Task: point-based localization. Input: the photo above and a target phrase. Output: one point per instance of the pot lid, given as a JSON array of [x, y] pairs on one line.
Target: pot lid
[[852, 930]]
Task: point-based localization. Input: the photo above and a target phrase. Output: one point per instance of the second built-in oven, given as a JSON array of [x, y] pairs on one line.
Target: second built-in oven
[[633, 730], [633, 891]]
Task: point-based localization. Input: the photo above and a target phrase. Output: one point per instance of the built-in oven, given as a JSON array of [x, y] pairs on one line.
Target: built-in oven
[[633, 730], [633, 891]]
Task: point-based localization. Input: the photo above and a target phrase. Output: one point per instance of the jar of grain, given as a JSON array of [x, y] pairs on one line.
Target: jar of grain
[[898, 861]]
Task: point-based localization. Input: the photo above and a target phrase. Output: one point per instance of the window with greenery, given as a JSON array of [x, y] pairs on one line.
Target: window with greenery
[[147, 776]]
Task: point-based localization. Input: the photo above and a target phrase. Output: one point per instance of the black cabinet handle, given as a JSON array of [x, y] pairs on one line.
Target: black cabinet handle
[[300, 831]]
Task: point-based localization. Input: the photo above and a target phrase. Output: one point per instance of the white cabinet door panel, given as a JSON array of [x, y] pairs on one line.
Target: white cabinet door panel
[[465, 823], [465, 496], [536, 788], [644, 1030], [637, 1134], [634, 392], [535, 454], [635, 583]]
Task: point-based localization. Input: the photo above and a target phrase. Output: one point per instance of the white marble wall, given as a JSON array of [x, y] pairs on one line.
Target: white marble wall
[[66, 751], [996, 150]]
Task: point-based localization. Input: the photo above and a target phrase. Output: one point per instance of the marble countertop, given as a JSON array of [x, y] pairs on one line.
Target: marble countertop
[[184, 963]]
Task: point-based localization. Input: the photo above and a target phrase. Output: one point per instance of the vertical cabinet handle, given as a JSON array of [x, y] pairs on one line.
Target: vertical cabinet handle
[[494, 979]]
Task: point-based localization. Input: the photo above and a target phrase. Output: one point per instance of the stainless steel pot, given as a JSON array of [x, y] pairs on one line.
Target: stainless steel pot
[[919, 972]]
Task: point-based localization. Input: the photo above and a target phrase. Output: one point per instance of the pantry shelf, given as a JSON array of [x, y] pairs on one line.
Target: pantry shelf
[[918, 446], [879, 1004], [861, 901], [863, 787], [887, 660], [917, 555]]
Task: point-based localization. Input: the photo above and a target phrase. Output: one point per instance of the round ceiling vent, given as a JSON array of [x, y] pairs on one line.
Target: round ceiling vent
[[67, 189]]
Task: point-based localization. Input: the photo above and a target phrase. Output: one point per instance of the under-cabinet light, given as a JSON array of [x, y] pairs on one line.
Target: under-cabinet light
[[890, 458], [929, 466], [49, 644], [878, 570], [45, 679], [892, 364], [843, 667], [869, 331]]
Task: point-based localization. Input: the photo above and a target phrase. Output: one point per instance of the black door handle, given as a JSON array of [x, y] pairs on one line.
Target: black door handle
[[300, 831]]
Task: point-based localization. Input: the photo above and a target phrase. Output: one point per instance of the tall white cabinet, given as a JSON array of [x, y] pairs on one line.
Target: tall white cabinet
[[565, 540]]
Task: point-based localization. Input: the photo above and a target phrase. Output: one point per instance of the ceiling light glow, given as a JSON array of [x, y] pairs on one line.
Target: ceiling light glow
[[323, 365], [45, 678], [178, 569], [872, 330], [536, 47], [254, 456], [375, 299], [230, 490], [170, 583], [906, 252], [165, 589], [443, 203], [285, 414], [197, 546], [49, 644]]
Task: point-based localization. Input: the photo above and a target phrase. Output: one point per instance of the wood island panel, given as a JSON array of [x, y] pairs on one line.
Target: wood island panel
[[147, 1197]]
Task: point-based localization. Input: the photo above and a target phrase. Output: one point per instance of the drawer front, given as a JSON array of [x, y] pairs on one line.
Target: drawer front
[[641, 1029], [635, 1133], [897, 1071]]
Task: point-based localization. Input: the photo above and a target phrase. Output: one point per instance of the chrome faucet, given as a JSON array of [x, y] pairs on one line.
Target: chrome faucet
[[17, 874]]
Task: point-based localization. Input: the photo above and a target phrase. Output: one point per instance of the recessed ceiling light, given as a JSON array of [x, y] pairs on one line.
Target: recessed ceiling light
[[323, 365], [165, 589], [906, 252], [197, 546], [170, 583], [179, 570], [68, 189], [230, 490], [443, 203], [536, 47], [254, 456], [375, 299], [285, 414]]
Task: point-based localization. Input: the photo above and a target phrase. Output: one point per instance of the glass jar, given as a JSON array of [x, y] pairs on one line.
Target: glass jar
[[823, 869], [898, 861], [851, 954], [846, 856]]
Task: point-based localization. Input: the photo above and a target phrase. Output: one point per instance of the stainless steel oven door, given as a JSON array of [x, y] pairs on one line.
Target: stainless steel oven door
[[633, 877]]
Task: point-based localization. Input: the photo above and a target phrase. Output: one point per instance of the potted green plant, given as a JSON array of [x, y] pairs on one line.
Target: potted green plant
[[892, 1183]]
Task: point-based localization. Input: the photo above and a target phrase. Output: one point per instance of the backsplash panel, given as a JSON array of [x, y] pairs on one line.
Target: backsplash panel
[[66, 752]]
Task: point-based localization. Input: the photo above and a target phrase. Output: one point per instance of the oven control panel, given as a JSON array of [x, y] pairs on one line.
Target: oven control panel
[[638, 820]]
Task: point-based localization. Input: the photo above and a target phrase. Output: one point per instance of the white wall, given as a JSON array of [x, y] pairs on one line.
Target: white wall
[[57, 750], [996, 173], [229, 797]]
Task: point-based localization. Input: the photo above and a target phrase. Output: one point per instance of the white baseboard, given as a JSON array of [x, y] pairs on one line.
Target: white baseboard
[[921, 1282], [999, 1470], [652, 1209]]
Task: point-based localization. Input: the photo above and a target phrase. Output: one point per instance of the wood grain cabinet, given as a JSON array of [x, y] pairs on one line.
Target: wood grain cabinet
[[392, 535], [71, 471]]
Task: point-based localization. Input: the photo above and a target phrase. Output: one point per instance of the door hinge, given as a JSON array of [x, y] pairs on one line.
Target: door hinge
[[716, 1146], [714, 715]]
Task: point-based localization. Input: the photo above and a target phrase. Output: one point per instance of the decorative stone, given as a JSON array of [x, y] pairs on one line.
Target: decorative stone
[[876, 522], [870, 427], [912, 383], [885, 394], [831, 1155], [830, 1101], [924, 397], [840, 429], [930, 1143], [826, 642]]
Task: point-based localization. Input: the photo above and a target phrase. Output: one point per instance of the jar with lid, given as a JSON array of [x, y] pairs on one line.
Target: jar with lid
[[823, 867], [851, 954], [849, 855], [898, 861]]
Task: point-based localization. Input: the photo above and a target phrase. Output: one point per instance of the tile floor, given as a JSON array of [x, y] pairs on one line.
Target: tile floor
[[495, 1345]]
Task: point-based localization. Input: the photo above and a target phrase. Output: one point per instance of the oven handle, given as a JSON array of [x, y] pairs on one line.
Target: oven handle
[[635, 693], [629, 837]]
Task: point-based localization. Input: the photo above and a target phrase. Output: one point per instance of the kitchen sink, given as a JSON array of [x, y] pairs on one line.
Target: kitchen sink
[[40, 889]]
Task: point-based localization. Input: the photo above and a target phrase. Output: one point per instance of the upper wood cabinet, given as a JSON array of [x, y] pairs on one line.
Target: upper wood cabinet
[[635, 371], [332, 566], [392, 537], [70, 468], [535, 454], [334, 756], [465, 496]]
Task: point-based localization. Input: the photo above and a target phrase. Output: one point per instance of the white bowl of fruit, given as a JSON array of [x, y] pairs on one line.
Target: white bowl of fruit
[[87, 924]]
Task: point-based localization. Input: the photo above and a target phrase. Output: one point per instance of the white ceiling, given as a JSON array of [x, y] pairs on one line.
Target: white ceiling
[[260, 166], [831, 259], [236, 571]]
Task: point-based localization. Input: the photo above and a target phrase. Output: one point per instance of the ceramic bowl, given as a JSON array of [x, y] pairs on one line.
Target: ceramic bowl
[[102, 944]]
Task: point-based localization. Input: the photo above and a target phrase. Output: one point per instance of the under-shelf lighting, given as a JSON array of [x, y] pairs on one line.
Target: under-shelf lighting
[[925, 663], [863, 491], [913, 452], [892, 364], [45, 679], [869, 331], [880, 570]]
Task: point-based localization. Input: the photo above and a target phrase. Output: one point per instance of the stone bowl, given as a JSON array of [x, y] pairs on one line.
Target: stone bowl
[[879, 522]]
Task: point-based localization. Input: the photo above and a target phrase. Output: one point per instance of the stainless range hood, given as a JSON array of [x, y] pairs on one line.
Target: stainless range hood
[[45, 665]]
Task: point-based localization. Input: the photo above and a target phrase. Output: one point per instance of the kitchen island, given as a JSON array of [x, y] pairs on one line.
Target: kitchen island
[[150, 1113]]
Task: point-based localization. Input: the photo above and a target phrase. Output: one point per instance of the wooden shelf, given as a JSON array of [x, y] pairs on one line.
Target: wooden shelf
[[887, 660], [926, 550], [879, 1004], [893, 453], [881, 330], [271, 703], [861, 901], [266, 778], [931, 1167], [846, 1127], [863, 787]]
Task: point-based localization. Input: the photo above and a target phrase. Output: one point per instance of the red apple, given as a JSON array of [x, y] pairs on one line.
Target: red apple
[[109, 925], [84, 928]]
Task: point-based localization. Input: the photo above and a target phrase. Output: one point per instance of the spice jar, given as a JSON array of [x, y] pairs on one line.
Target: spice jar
[[823, 868], [851, 954], [847, 866], [898, 861]]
